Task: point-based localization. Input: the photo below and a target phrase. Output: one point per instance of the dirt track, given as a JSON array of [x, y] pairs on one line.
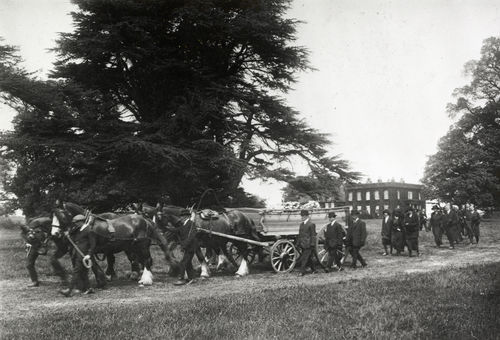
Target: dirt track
[[19, 301]]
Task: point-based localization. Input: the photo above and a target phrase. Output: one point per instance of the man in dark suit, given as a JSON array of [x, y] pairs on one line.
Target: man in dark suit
[[475, 220], [334, 240], [306, 240], [436, 225], [356, 236], [386, 231], [412, 228]]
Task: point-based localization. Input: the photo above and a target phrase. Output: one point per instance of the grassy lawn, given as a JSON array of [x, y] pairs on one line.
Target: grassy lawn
[[394, 298], [451, 304]]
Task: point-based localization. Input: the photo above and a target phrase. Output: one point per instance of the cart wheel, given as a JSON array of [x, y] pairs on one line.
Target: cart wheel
[[236, 255], [283, 256]]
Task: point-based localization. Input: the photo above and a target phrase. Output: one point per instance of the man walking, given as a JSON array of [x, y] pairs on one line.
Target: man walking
[[386, 231], [306, 240], [356, 236], [334, 239], [397, 233], [412, 228], [436, 225], [475, 219]]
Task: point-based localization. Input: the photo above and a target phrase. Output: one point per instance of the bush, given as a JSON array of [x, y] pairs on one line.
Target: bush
[[11, 222]]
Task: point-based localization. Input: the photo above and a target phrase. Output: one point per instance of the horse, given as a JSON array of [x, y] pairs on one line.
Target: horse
[[129, 233], [232, 223]]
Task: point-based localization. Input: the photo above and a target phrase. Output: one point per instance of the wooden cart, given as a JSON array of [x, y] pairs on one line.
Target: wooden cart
[[278, 231]]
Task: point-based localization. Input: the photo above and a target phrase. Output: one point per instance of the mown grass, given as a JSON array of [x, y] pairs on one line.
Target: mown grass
[[446, 304], [449, 304]]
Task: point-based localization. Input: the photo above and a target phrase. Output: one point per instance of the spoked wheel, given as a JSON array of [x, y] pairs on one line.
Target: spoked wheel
[[283, 256], [234, 252]]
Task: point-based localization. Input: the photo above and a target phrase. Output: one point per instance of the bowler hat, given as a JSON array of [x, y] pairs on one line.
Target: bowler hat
[[304, 213], [355, 212], [78, 218], [331, 214]]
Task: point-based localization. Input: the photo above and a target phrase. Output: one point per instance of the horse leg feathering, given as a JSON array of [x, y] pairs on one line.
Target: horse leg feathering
[[146, 278], [205, 271], [243, 269]]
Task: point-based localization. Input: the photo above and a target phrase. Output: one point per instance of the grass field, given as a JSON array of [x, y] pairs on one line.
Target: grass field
[[443, 294]]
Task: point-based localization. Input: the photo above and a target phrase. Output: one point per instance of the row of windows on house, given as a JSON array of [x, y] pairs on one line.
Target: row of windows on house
[[376, 195], [377, 210]]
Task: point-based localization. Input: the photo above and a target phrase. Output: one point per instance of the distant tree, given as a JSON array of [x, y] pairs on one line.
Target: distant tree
[[466, 168], [317, 185]]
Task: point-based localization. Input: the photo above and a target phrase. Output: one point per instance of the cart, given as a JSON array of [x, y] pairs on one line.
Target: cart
[[278, 231]]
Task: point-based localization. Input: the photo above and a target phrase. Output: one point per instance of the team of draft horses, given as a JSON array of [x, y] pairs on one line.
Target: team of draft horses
[[87, 237]]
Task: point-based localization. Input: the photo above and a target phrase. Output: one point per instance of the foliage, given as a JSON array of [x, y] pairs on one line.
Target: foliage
[[159, 98], [318, 185], [201, 72], [466, 168]]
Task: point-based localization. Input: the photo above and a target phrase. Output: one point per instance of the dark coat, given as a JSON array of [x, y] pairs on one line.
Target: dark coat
[[334, 235], [411, 225], [475, 217], [387, 227], [436, 220], [307, 235], [356, 234]]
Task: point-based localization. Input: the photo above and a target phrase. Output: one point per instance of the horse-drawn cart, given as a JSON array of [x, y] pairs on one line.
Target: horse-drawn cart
[[278, 231]]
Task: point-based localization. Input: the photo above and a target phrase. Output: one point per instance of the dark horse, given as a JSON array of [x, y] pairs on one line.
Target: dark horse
[[131, 234], [37, 233], [233, 222]]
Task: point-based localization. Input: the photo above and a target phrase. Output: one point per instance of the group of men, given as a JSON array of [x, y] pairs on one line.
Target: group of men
[[456, 224], [336, 237], [399, 231], [402, 230]]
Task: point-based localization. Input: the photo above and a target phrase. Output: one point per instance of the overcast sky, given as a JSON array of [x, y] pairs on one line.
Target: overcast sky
[[385, 71]]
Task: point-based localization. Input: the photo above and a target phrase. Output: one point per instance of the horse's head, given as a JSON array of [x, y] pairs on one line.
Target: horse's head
[[172, 215], [62, 216]]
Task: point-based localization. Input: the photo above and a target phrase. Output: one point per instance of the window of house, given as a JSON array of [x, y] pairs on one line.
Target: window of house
[[358, 195], [399, 195], [368, 210], [419, 197], [377, 197], [410, 195], [386, 194], [386, 206], [350, 197], [367, 195]]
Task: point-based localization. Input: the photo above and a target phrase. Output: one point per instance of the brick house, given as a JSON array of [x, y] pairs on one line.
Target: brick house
[[372, 198]]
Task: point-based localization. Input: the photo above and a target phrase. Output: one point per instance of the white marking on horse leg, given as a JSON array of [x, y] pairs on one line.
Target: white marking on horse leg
[[221, 261], [146, 278], [205, 271], [55, 231], [186, 275], [243, 270]]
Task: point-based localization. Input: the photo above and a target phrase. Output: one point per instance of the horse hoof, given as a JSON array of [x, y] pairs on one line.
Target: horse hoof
[[141, 285], [134, 276]]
